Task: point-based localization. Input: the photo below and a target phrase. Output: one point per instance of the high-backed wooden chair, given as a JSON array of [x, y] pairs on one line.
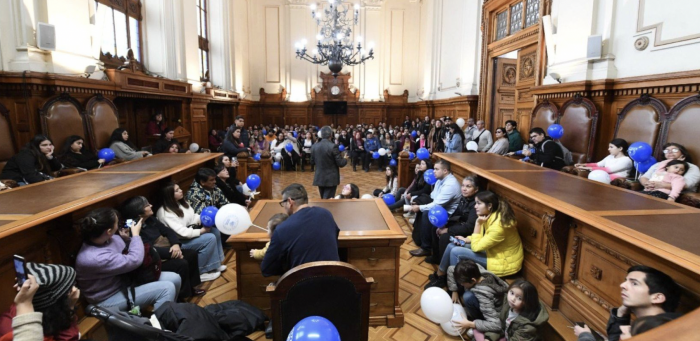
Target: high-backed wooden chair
[[579, 118], [334, 290], [681, 127], [7, 142], [101, 118], [543, 115], [641, 120], [62, 117]]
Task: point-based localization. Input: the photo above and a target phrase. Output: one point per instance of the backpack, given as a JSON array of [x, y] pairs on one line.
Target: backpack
[[568, 158]]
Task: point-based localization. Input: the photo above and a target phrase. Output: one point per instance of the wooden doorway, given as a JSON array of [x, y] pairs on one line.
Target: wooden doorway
[[503, 94]]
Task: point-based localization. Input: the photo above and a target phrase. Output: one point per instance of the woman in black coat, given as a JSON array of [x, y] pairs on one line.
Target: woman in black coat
[[74, 154], [34, 163], [175, 259], [461, 222], [230, 192]]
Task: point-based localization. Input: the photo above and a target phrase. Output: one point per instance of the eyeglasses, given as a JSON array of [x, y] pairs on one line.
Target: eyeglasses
[[284, 201], [671, 150]]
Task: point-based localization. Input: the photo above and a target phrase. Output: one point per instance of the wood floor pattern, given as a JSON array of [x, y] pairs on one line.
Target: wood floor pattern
[[413, 272]]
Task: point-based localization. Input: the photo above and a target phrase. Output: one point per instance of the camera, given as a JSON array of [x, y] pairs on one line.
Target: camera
[[129, 223]]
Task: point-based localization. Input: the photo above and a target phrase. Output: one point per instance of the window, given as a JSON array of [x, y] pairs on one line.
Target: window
[[532, 12], [516, 17], [501, 25], [202, 31], [120, 25]]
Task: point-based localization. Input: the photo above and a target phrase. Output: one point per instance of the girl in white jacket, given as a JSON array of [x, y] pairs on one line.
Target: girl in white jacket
[[179, 216]]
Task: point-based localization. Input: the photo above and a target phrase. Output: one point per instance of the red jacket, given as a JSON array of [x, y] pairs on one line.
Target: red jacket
[[70, 334]]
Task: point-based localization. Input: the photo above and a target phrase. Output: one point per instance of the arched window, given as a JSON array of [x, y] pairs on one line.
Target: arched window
[[119, 25]]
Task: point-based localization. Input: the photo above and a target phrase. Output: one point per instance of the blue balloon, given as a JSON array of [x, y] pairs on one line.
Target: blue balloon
[[264, 131], [314, 328], [438, 216], [414, 134], [341, 148], [106, 154], [253, 181], [289, 147], [389, 199], [423, 154], [276, 165], [429, 177], [411, 156], [256, 157], [555, 131], [639, 151], [644, 166], [392, 162], [375, 155], [208, 216], [295, 134]]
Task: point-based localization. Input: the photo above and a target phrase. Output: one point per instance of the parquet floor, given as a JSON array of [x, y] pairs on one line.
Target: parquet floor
[[413, 272]]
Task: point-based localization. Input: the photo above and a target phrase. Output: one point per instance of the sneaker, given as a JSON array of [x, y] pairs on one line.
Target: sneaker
[[433, 276], [439, 281], [209, 276], [222, 268]]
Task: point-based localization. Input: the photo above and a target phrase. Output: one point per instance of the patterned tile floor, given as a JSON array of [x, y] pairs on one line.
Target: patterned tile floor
[[413, 272]]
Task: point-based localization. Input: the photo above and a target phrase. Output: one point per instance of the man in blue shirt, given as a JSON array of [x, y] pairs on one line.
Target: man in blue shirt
[[310, 234], [371, 146], [447, 193]]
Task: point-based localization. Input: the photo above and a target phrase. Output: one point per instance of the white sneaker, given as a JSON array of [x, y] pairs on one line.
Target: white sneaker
[[222, 268], [411, 221], [209, 276], [470, 333], [406, 208]]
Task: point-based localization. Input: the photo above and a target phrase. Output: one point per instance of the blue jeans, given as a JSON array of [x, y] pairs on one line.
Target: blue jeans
[[156, 293], [471, 305], [210, 253], [454, 253]]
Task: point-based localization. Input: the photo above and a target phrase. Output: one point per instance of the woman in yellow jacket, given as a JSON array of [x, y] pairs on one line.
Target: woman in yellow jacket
[[495, 243]]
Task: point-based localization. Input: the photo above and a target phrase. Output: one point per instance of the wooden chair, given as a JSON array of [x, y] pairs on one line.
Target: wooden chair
[[544, 114], [334, 290], [681, 128], [62, 117], [579, 118], [7, 142], [101, 118]]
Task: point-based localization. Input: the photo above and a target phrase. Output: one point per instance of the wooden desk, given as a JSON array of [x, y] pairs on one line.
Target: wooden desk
[[38, 221], [369, 239], [581, 236]]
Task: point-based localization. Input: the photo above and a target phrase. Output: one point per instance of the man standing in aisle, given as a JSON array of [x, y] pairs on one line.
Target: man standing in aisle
[[328, 160]]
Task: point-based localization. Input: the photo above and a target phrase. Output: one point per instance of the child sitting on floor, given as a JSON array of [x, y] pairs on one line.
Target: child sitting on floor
[[672, 173], [271, 224]]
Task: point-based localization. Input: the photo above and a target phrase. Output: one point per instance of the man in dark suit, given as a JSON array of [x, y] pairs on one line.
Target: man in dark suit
[[328, 159]]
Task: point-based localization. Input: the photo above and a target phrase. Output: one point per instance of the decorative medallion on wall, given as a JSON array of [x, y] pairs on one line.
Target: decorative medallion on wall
[[641, 43], [527, 66], [509, 74]]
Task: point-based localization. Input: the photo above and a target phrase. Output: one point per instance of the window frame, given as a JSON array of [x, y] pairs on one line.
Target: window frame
[[523, 19], [203, 41], [131, 9]]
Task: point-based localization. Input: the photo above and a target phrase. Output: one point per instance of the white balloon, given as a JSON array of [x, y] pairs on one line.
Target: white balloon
[[436, 305], [367, 196], [278, 157], [232, 219], [458, 314], [382, 151], [460, 122], [337, 135], [319, 135], [194, 147], [600, 176], [245, 190]]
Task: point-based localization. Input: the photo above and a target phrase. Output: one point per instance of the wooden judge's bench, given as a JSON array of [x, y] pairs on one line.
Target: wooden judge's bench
[[581, 236]]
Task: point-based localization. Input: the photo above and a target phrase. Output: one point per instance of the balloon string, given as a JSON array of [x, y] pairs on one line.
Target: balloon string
[[260, 227], [453, 326]]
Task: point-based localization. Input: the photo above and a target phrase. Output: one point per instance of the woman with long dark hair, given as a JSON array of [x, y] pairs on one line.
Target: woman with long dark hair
[[456, 142], [180, 261], [232, 143], [349, 191], [178, 215], [357, 149], [392, 184], [417, 187], [122, 147], [74, 154], [259, 144], [102, 263], [617, 164], [214, 140], [34, 163], [156, 125], [166, 141], [232, 194]]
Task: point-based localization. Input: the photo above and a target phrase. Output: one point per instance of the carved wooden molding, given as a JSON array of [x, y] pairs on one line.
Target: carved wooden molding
[[522, 35], [593, 115], [578, 240], [527, 66], [553, 274], [592, 295]]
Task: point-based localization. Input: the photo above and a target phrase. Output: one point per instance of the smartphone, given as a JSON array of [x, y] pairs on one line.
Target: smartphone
[[20, 269]]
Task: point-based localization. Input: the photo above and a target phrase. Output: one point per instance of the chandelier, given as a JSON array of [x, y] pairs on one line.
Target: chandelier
[[335, 46]]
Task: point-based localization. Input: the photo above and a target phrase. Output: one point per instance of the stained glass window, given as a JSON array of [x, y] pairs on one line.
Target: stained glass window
[[516, 17], [501, 25], [532, 12]]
